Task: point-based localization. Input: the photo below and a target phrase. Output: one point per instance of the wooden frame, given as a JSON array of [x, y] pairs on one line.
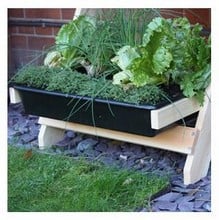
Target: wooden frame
[[179, 139], [14, 95], [173, 112]]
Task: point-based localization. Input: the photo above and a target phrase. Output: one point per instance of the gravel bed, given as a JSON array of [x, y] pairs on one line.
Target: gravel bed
[[23, 132]]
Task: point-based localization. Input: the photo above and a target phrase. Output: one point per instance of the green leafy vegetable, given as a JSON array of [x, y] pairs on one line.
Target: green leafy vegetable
[[73, 33], [53, 58], [194, 84], [173, 51], [161, 60], [122, 77], [71, 37], [125, 56], [142, 71]]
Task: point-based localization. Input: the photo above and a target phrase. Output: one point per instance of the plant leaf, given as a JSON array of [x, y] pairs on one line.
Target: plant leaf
[[125, 56], [161, 60], [71, 36], [122, 77]]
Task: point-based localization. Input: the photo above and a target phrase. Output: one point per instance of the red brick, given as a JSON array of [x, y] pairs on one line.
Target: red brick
[[68, 13], [55, 30], [16, 41], [44, 30], [52, 13], [15, 13], [171, 12], [40, 43], [25, 30], [12, 30], [21, 57], [199, 15]]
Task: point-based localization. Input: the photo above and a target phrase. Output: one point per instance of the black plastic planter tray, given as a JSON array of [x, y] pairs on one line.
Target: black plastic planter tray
[[101, 113]]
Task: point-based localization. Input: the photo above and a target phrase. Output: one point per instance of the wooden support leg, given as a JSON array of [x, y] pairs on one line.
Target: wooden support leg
[[197, 163], [49, 136], [14, 96]]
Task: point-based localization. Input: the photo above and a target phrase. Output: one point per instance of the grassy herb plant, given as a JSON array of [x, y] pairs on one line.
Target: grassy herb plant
[[73, 82], [127, 25], [40, 182]]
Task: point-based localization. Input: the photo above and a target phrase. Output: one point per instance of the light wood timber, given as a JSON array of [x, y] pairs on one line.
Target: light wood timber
[[179, 138], [14, 96], [197, 163], [48, 136], [173, 112], [77, 13]]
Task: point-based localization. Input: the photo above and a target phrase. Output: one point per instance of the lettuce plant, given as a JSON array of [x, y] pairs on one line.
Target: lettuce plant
[[172, 51], [69, 41]]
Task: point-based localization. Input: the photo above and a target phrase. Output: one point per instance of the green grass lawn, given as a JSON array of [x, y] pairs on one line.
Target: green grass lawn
[[46, 183]]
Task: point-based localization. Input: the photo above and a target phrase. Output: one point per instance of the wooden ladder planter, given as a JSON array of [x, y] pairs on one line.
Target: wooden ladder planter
[[194, 142]]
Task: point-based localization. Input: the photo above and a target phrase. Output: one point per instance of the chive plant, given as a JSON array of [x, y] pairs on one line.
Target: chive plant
[[115, 28]]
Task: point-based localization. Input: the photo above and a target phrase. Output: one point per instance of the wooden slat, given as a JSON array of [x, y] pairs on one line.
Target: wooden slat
[[14, 96], [86, 11], [77, 13], [197, 163], [179, 139], [173, 112], [49, 136]]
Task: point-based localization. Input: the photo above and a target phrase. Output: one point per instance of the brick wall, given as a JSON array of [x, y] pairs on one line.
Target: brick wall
[[31, 31]]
